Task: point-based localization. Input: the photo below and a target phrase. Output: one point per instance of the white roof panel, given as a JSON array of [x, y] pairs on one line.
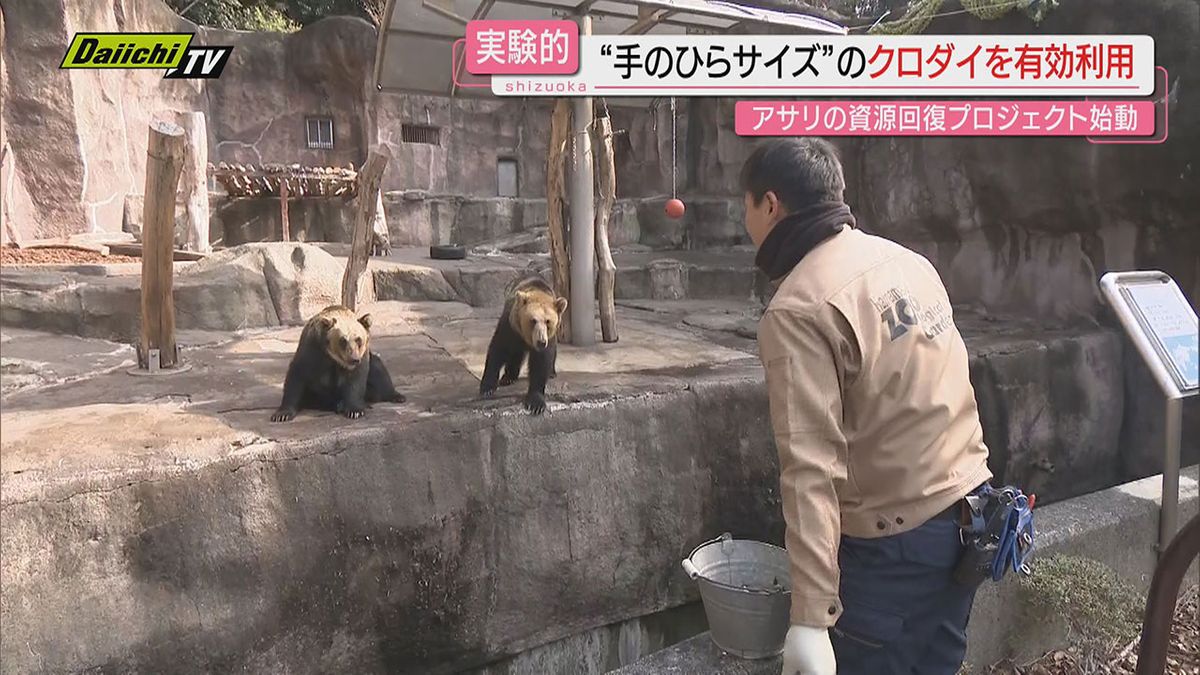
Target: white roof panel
[[414, 50]]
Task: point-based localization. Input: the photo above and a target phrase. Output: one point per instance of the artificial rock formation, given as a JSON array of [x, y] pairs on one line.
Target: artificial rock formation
[[78, 137]]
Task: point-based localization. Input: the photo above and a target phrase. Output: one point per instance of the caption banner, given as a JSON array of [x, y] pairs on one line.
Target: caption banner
[[756, 65], [944, 118], [551, 58]]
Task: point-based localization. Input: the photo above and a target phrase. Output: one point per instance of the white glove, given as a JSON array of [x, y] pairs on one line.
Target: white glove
[[808, 651]]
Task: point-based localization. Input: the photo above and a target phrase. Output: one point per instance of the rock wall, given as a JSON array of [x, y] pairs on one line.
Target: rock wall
[[1017, 226], [1023, 226], [77, 138], [72, 133]]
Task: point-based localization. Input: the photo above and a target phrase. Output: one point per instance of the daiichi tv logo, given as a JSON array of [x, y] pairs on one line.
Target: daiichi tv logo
[[170, 51]]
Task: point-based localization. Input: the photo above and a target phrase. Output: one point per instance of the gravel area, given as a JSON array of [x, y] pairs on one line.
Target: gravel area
[[1183, 656], [59, 256]]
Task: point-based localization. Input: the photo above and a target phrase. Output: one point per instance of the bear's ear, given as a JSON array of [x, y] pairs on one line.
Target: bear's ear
[[326, 322], [365, 320], [561, 305], [521, 298]]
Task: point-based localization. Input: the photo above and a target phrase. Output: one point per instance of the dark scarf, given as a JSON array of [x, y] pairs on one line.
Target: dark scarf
[[797, 234]]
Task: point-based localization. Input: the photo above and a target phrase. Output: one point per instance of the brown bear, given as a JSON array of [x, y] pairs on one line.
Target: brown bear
[[334, 368], [528, 327]]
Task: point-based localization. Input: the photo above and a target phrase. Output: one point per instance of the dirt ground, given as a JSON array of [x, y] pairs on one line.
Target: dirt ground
[[1183, 656], [59, 256]]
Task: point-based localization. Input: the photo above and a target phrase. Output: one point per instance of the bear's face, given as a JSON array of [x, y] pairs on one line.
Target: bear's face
[[536, 316], [347, 340]]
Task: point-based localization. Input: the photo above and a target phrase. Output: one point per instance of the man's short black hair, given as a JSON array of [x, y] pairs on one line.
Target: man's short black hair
[[800, 171]]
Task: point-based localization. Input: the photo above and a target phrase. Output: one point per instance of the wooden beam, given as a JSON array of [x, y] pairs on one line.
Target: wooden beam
[[560, 124], [606, 269], [368, 188], [194, 181], [443, 11], [381, 240], [165, 154], [647, 19], [8, 173], [283, 210]]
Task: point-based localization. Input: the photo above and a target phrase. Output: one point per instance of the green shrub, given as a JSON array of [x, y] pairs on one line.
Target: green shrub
[[1100, 608], [273, 15]]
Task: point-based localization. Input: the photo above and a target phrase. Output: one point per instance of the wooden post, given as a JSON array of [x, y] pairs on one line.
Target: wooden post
[[165, 154], [560, 262], [581, 191], [606, 269], [283, 210], [368, 186], [194, 181], [381, 240], [8, 174]]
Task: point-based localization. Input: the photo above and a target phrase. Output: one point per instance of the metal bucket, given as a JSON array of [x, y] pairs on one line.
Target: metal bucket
[[746, 589]]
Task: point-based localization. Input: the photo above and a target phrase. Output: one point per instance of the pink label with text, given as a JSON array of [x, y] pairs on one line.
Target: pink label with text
[[944, 118], [522, 47]]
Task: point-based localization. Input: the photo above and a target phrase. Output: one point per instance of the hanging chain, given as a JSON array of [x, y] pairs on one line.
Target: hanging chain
[[673, 171], [573, 142]]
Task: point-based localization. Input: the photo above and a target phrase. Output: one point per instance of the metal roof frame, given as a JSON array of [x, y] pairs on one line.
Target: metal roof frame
[[428, 36]]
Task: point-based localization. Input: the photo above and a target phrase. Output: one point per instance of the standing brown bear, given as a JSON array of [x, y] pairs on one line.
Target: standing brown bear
[[528, 327]]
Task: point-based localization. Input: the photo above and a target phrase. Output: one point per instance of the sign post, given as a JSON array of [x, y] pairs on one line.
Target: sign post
[[1156, 316]]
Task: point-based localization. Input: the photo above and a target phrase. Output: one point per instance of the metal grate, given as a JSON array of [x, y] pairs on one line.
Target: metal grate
[[319, 131], [416, 133]]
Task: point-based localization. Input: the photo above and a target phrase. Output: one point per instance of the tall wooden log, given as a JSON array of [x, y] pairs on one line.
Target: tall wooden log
[[194, 181], [606, 269], [560, 125], [283, 210], [165, 156], [369, 179], [381, 241], [8, 173]]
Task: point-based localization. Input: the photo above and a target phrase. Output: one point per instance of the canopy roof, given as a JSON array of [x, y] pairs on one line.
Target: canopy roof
[[414, 51]]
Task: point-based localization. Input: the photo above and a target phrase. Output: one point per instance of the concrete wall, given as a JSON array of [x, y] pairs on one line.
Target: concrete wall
[[476, 133], [428, 547]]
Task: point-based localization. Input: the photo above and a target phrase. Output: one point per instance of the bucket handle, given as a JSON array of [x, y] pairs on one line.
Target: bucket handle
[[689, 568]]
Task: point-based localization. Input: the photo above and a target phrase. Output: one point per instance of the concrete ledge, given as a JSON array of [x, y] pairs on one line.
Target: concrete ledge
[[1117, 526], [699, 655]]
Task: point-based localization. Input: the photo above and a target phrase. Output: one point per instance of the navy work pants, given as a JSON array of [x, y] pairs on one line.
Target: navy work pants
[[902, 610]]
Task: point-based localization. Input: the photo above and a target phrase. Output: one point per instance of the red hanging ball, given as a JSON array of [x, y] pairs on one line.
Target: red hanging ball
[[675, 208]]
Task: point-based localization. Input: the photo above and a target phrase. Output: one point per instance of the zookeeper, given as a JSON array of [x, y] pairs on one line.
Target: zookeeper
[[875, 422]]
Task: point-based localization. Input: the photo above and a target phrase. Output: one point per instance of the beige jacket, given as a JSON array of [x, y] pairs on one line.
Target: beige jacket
[[872, 409]]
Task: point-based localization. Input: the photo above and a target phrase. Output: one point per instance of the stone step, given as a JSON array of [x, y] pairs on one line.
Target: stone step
[[479, 281], [264, 285]]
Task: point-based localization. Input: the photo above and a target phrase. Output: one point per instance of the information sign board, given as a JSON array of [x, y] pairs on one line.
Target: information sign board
[[1163, 326]]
